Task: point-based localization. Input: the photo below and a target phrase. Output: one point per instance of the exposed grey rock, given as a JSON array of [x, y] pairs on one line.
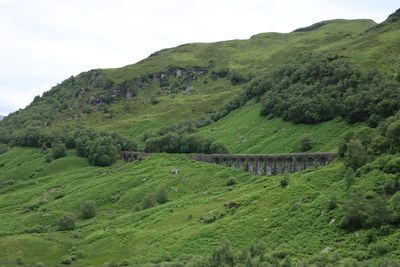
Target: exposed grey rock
[[175, 171], [326, 250]]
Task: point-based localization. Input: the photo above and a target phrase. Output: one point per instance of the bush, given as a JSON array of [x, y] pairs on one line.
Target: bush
[[378, 250], [3, 148], [88, 210], [58, 150], [258, 249], [355, 155], [332, 204], [284, 182], [393, 166], [223, 256], [66, 223], [354, 209], [67, 260], [161, 195], [306, 143], [154, 100], [231, 181], [394, 208], [149, 201]]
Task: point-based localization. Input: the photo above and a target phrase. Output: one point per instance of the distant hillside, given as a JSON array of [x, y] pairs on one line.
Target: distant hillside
[[193, 80], [1, 117]]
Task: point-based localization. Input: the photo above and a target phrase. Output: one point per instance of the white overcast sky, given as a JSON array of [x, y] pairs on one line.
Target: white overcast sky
[[45, 41]]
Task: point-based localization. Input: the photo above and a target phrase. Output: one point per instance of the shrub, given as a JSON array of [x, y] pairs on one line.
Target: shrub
[[223, 256], [394, 208], [154, 100], [284, 182], [149, 201], [211, 217], [218, 148], [349, 177], [58, 150], [231, 181], [332, 204], [393, 166], [67, 260], [258, 249], [356, 154], [66, 223], [373, 120], [379, 249], [161, 195], [354, 211], [306, 143], [377, 211], [3, 148], [88, 210]]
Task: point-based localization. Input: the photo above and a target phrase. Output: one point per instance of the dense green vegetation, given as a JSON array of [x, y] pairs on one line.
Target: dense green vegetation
[[39, 209], [67, 199], [315, 88]]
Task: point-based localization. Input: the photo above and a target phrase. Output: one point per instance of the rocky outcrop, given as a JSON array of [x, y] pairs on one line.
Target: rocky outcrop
[[186, 75]]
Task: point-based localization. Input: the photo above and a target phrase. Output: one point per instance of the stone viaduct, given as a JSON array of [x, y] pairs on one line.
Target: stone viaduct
[[258, 164]]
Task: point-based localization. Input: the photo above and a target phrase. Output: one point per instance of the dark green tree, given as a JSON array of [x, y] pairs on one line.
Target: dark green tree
[[88, 210], [161, 195], [103, 151], [58, 150]]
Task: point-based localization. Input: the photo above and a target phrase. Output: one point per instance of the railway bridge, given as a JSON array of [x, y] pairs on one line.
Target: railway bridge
[[258, 164]]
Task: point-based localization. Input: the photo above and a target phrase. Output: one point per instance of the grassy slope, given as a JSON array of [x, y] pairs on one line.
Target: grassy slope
[[263, 51], [295, 218], [245, 131]]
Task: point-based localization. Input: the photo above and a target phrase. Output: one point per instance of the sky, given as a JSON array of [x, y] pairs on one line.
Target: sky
[[44, 42]]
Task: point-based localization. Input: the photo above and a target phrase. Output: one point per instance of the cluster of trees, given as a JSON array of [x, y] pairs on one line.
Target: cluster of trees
[[101, 148], [181, 138], [366, 151], [315, 88]]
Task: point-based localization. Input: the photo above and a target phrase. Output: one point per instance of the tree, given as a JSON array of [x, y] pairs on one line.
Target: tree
[[149, 201], [356, 154], [218, 148], [306, 143], [66, 222], [161, 195], [103, 151], [393, 134], [58, 150], [354, 210], [88, 210]]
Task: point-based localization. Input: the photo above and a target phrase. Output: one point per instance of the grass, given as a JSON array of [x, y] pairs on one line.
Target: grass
[[246, 131], [294, 218]]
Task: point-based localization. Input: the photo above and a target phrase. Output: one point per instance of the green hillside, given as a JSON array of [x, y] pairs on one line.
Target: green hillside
[[66, 198], [245, 131], [120, 99], [32, 200]]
